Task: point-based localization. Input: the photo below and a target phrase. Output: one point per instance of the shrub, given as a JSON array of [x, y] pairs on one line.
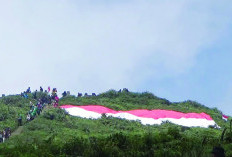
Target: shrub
[[109, 94], [55, 114]]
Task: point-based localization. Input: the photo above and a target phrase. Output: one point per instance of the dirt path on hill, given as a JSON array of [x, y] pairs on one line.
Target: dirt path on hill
[[18, 131]]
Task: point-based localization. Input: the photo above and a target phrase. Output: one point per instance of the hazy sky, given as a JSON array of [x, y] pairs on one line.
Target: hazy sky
[[176, 49]]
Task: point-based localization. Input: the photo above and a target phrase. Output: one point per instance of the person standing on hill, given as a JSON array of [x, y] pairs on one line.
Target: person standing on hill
[[20, 120], [35, 95], [56, 101], [1, 137], [64, 94], [31, 107], [41, 89], [4, 135], [25, 95], [33, 113], [28, 90], [28, 116], [39, 105], [49, 100], [7, 133], [54, 93]]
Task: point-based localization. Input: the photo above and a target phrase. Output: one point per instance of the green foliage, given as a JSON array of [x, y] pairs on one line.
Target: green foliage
[[10, 107], [4, 113], [13, 100], [55, 114], [54, 133]]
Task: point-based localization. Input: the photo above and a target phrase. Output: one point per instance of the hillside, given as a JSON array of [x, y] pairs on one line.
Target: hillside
[[64, 135]]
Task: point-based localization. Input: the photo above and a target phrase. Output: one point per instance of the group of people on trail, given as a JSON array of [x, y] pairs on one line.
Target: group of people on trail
[[34, 94], [34, 110], [5, 134], [37, 109], [25, 93]]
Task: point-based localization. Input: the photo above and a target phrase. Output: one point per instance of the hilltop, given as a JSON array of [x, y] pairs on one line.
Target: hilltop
[[108, 136]]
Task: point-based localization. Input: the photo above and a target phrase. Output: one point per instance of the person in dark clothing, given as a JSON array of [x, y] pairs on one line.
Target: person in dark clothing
[[218, 152], [54, 95], [1, 137], [4, 135], [41, 89], [35, 95], [20, 120], [39, 105], [49, 100], [43, 100], [25, 95], [28, 90], [64, 94], [7, 133]]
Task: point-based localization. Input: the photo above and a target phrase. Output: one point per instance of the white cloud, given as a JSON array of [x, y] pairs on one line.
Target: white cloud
[[86, 46]]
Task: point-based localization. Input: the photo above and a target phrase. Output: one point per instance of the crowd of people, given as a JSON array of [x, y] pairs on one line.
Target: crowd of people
[[35, 109], [5, 134]]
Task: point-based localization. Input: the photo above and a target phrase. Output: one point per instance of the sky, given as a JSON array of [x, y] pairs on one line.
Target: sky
[[179, 50]]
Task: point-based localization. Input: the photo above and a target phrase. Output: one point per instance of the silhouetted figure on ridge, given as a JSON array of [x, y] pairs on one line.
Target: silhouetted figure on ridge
[[125, 90], [41, 89], [64, 94], [28, 90]]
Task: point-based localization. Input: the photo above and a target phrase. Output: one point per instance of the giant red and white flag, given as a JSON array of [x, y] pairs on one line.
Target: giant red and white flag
[[150, 117]]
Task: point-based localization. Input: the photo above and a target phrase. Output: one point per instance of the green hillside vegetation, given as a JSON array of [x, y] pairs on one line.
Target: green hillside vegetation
[[55, 133]]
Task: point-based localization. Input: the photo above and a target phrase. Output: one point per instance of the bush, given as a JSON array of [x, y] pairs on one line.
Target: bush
[[55, 114], [109, 94], [4, 113]]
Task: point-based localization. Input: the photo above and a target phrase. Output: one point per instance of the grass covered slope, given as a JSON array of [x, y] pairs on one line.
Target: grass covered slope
[[10, 108], [55, 133], [129, 101], [13, 105]]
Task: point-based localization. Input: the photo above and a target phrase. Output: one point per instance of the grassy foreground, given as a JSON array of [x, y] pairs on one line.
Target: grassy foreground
[[65, 135]]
